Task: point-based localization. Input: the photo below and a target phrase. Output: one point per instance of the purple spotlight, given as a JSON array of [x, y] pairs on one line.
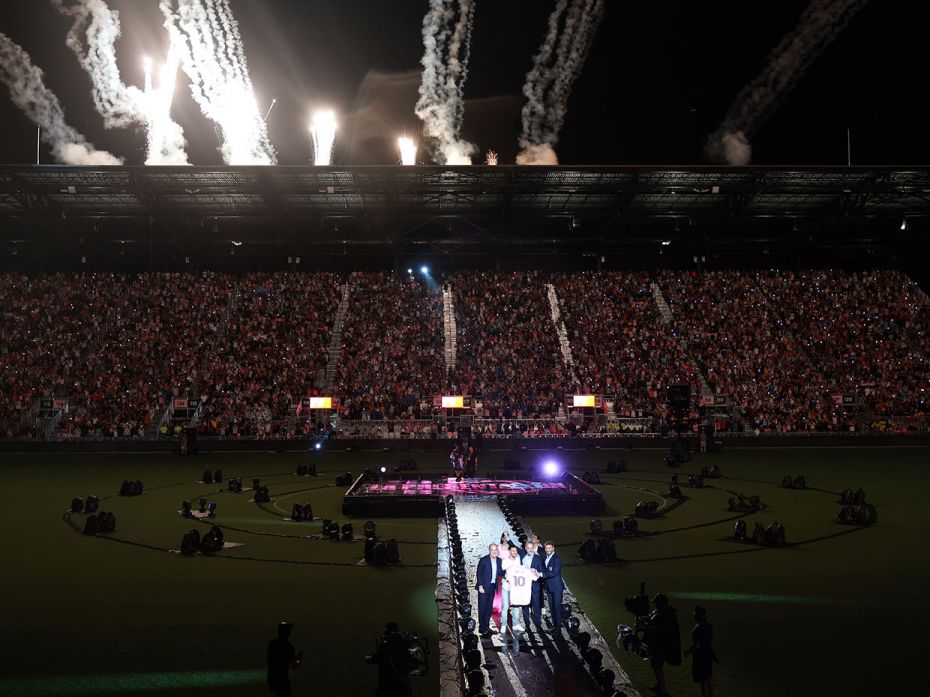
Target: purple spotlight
[[550, 468]]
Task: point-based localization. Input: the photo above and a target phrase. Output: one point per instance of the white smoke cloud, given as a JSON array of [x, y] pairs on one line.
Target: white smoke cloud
[[556, 66], [206, 35], [537, 155], [28, 92], [92, 38], [447, 48], [818, 26]]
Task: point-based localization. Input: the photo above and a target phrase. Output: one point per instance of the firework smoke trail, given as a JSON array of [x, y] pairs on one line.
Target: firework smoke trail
[[323, 129], [92, 38], [29, 93], [206, 36], [447, 48], [556, 66], [820, 24]]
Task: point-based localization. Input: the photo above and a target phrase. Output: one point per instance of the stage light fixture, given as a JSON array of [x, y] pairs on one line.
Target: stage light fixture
[[77, 505], [605, 678], [211, 509], [256, 482], [369, 529], [410, 271], [469, 624], [347, 532], [550, 468], [596, 526], [186, 508], [382, 469], [424, 270], [91, 504], [202, 507], [571, 624], [317, 446]]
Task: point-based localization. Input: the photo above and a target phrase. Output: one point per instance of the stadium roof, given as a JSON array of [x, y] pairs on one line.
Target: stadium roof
[[600, 208]]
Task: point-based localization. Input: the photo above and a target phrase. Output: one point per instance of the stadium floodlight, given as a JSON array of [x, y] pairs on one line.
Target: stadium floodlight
[[424, 270], [383, 469], [410, 271], [550, 468], [317, 445]]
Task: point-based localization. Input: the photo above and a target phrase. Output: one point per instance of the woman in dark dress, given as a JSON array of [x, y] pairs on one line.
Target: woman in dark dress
[[702, 652]]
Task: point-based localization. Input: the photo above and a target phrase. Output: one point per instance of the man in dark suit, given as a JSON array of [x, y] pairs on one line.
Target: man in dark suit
[[489, 570], [555, 586], [531, 560]]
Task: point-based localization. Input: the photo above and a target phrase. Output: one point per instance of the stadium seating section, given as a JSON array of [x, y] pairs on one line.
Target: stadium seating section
[[783, 348]]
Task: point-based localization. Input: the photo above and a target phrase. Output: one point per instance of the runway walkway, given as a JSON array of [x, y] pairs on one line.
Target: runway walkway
[[545, 666]]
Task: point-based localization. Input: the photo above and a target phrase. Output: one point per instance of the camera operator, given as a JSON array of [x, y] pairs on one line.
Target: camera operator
[[663, 639], [394, 663], [281, 660]]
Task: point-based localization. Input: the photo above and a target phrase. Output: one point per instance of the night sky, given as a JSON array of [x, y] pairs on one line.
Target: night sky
[[658, 80]]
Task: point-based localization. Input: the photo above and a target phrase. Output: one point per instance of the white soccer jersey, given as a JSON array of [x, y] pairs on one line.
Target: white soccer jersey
[[521, 584]]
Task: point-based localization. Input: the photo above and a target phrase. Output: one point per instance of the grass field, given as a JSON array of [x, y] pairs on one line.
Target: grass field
[[838, 614]]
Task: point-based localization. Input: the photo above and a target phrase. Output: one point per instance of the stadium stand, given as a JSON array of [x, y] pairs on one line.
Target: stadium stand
[[810, 351]]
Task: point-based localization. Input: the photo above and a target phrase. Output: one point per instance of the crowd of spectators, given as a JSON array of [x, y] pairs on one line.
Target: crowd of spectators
[[508, 351], [393, 360], [117, 347], [782, 346], [747, 351], [621, 347], [271, 353], [866, 331]]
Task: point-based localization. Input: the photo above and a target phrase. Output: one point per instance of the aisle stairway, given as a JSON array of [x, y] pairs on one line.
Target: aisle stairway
[[564, 344], [335, 343], [449, 328]]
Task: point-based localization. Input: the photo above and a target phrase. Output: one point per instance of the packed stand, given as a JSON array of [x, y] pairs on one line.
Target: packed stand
[[867, 332], [272, 353], [392, 362], [117, 347], [619, 343], [508, 352], [747, 351]]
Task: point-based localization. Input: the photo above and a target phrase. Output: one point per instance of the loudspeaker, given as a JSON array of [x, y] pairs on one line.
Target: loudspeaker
[[679, 397]]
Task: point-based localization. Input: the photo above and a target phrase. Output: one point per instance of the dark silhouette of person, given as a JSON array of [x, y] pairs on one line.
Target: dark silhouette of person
[[394, 662], [702, 652], [663, 639], [282, 658]]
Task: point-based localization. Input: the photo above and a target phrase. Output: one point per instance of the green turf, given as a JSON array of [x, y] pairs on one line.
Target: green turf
[[839, 614]]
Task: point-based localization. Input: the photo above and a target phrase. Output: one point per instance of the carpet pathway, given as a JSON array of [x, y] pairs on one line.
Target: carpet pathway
[[544, 665]]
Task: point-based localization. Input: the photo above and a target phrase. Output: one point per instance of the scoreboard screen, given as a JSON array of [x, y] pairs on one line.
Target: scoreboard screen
[[583, 400], [457, 402], [321, 402]]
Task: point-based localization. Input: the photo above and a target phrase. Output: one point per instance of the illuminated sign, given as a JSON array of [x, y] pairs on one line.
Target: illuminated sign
[[321, 402], [453, 402], [583, 400]]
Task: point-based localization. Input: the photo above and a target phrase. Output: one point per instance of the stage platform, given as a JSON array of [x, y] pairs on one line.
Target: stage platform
[[393, 495]]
